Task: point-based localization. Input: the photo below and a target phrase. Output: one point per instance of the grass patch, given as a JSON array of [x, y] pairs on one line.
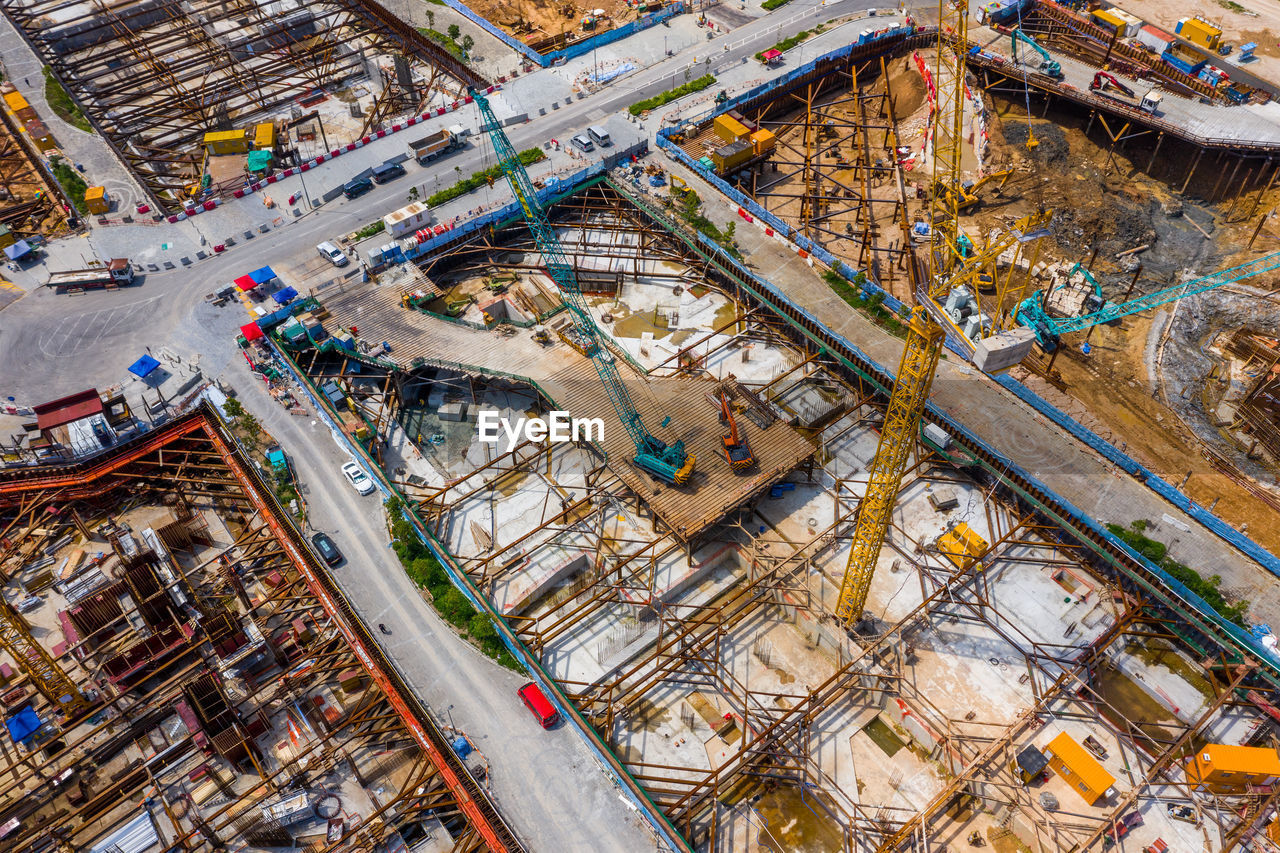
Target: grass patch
[[770, 5], [791, 41], [449, 41], [60, 102], [72, 183], [870, 304], [1157, 552], [1232, 6], [371, 229], [672, 94], [485, 177], [688, 209], [425, 570]]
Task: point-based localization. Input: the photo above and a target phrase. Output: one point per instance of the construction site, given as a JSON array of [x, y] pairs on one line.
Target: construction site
[[990, 666], [180, 674], [889, 468], [183, 92]]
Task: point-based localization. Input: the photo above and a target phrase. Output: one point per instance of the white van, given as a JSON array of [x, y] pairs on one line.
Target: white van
[[583, 143], [332, 254], [600, 136]]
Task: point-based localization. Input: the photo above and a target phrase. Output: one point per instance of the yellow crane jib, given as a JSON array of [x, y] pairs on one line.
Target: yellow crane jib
[[897, 438]]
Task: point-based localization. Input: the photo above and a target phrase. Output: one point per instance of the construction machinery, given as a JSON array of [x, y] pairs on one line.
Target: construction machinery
[[1048, 65], [1109, 86], [1032, 312], [950, 265], [968, 192], [667, 462], [45, 674], [736, 451]]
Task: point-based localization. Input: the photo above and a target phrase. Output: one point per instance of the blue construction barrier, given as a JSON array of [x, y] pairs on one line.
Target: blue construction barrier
[[1077, 516], [1105, 448], [576, 49]]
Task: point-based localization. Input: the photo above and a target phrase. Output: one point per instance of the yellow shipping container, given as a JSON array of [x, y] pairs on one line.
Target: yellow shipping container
[[961, 545], [15, 102], [730, 129], [264, 136], [1108, 21], [95, 198], [226, 142], [7, 237], [763, 141], [1199, 31]]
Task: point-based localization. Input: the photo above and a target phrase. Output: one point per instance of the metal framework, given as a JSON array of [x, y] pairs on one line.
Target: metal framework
[[642, 650], [153, 77], [271, 635]]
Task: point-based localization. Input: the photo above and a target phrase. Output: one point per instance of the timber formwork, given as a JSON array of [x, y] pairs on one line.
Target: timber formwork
[[34, 204], [654, 644], [153, 77], [228, 720]]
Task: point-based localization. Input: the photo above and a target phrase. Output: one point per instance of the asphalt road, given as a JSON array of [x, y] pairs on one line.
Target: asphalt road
[[546, 783]]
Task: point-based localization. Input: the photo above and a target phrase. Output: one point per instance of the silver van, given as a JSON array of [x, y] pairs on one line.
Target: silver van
[[583, 143], [600, 136]]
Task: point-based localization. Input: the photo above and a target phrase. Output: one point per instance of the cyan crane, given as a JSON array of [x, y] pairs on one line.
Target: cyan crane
[[667, 462], [1048, 64], [1049, 330]]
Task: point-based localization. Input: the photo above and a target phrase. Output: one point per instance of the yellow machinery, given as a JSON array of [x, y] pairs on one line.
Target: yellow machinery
[[925, 330], [968, 195], [44, 672]]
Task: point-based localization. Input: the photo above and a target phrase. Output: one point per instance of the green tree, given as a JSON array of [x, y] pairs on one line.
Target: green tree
[[467, 43], [455, 32], [431, 19], [233, 407]]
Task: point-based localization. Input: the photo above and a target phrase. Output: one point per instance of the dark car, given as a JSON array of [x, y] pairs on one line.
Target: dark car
[[357, 187], [328, 551], [387, 172]]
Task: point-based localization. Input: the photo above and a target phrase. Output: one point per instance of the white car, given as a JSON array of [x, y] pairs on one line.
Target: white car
[[358, 478]]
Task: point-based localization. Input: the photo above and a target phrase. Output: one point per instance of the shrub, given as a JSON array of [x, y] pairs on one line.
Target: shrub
[[62, 104], [672, 94], [486, 176], [1157, 552]]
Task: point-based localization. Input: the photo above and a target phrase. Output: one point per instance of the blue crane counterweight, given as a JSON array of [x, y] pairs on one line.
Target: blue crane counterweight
[[667, 462]]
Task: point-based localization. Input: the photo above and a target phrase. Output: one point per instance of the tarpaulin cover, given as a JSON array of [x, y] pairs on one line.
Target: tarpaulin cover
[[144, 367], [262, 274], [17, 250], [770, 55], [23, 724], [283, 295], [251, 332], [245, 282]]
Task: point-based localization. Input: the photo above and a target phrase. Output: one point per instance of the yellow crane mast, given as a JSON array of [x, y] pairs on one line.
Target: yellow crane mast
[[925, 335], [44, 672]]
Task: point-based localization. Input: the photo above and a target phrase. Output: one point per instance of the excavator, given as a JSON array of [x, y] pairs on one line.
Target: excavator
[[1048, 65], [736, 451], [967, 194], [1104, 83]]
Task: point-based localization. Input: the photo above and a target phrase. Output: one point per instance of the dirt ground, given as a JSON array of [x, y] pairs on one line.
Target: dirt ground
[[1241, 22], [1110, 205], [534, 20]]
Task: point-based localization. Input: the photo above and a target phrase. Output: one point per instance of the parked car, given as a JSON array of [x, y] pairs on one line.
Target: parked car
[[327, 550], [358, 479], [583, 143], [332, 254], [357, 187], [537, 703], [387, 172]]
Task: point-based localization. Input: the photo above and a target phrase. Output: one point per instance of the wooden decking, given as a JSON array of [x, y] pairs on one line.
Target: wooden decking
[[570, 382]]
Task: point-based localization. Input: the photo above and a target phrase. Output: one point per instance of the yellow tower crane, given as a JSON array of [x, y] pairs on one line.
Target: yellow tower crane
[[44, 672], [950, 265]]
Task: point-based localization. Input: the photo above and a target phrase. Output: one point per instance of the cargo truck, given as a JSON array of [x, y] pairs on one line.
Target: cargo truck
[[115, 273], [430, 147]]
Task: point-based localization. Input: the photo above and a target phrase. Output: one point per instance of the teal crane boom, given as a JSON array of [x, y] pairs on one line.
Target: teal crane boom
[[1048, 64], [1049, 329], [667, 462]]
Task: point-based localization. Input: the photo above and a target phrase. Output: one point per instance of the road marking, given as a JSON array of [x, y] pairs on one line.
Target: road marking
[[64, 338]]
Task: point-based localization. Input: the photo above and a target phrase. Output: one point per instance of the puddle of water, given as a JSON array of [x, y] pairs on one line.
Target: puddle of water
[[883, 736], [1157, 652], [635, 325], [1130, 699], [795, 824]]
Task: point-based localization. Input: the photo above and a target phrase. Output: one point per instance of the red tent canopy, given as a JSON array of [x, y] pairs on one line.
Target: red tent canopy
[[245, 282], [770, 55], [251, 332]]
